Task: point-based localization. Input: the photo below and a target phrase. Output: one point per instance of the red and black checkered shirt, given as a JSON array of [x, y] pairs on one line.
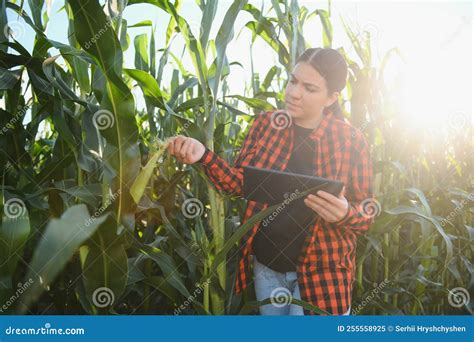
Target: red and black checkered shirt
[[326, 266]]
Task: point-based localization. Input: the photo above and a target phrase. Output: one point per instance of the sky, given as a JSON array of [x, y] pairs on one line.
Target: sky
[[434, 38]]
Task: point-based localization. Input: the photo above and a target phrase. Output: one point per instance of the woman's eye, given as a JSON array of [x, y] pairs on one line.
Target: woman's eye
[[292, 80], [311, 90]]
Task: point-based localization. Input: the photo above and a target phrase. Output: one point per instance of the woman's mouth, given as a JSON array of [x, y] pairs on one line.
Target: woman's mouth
[[291, 105]]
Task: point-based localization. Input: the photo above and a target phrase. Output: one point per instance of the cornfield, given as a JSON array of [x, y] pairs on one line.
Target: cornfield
[[98, 219]]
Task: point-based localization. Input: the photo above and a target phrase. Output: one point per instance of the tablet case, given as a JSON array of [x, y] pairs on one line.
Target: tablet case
[[273, 186]]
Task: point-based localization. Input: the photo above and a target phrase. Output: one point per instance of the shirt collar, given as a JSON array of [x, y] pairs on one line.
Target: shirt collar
[[319, 131]]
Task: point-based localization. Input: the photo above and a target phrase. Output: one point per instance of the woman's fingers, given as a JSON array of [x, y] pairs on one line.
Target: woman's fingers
[[320, 210], [175, 145], [171, 146], [190, 152], [319, 202], [327, 196], [182, 150], [331, 208], [187, 150]]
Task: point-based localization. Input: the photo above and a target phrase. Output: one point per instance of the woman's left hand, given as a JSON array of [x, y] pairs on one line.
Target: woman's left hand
[[329, 207]]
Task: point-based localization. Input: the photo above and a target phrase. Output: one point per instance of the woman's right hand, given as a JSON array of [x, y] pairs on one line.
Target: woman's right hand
[[185, 149]]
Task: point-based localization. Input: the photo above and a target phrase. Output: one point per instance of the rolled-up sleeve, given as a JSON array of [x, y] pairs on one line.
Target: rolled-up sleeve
[[229, 178]]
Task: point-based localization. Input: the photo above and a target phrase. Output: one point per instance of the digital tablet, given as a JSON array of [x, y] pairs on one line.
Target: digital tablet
[[273, 186]]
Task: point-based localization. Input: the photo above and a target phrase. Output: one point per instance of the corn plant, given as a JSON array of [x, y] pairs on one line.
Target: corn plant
[[94, 212]]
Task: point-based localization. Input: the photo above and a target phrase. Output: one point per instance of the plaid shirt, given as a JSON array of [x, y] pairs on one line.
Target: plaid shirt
[[326, 265]]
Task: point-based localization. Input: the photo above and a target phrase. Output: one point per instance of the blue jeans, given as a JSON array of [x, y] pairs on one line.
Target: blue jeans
[[279, 286]]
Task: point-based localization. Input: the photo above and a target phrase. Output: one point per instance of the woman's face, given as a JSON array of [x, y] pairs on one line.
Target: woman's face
[[306, 94]]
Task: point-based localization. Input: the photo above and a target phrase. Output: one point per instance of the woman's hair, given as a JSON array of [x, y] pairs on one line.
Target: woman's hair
[[332, 66]]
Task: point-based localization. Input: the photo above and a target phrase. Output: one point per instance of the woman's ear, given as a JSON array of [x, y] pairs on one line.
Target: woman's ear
[[332, 98]]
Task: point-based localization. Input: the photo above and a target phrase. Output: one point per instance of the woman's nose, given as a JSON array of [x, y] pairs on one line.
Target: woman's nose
[[294, 93]]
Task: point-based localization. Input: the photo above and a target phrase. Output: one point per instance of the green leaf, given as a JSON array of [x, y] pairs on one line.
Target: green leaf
[[192, 44], [208, 15], [36, 7], [256, 104], [404, 210], [149, 86], [8, 79], [421, 196], [142, 24], [14, 232], [141, 52], [51, 73], [264, 28], [3, 24], [161, 284], [170, 270], [61, 239], [327, 27], [95, 34], [224, 36], [105, 269], [189, 83]]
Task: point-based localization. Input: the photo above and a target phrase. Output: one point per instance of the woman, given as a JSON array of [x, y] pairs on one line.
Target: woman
[[308, 250]]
